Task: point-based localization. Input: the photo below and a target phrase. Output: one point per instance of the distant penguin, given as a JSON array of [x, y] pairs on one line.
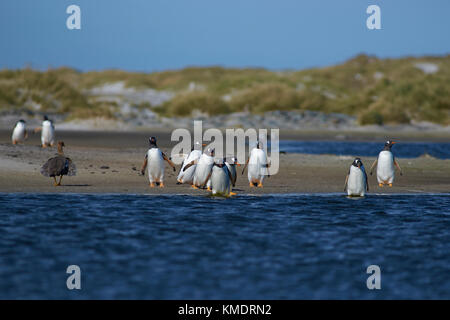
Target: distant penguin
[[187, 176], [47, 133], [356, 180], [231, 165], [20, 132], [220, 178], [257, 166], [385, 165], [203, 169], [154, 160]]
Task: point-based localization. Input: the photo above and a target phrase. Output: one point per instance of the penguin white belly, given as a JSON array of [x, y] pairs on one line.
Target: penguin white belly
[[48, 133], [18, 133], [220, 181], [257, 166], [188, 175], [203, 169], [356, 184], [155, 164], [385, 167]]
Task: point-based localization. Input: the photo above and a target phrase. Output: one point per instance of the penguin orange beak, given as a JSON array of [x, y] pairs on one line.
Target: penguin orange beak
[[238, 164], [393, 142]]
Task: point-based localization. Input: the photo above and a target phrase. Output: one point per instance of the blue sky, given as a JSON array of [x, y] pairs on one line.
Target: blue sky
[[150, 35]]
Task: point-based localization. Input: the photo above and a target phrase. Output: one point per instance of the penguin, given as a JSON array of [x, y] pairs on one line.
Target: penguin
[[203, 168], [231, 165], [220, 178], [47, 133], [385, 165], [356, 180], [59, 166], [257, 166], [187, 176], [20, 133], [154, 159]]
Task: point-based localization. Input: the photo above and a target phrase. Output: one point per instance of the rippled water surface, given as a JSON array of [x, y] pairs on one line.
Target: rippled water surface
[[367, 149], [254, 247]]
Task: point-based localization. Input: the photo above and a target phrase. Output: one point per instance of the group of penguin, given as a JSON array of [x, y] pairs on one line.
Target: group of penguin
[[202, 170], [356, 183]]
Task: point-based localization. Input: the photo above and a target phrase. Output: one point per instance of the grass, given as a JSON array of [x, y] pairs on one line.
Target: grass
[[376, 91]]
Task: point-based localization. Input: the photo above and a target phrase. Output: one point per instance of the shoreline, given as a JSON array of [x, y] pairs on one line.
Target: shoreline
[[110, 163]]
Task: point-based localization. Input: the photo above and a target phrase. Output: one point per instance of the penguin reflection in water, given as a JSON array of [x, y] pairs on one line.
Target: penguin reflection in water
[[59, 166], [385, 165], [154, 159], [356, 180]]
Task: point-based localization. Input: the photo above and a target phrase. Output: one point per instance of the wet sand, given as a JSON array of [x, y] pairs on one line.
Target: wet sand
[[109, 162]]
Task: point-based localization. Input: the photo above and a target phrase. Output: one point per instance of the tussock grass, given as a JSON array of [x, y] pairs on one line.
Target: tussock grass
[[376, 91]]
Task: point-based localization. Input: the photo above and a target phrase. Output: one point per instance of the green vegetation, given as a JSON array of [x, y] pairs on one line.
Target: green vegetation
[[376, 91]]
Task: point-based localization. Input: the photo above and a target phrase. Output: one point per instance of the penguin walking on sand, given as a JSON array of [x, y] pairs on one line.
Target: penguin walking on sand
[[203, 168], [154, 160], [220, 178], [257, 166], [385, 165], [20, 133], [356, 180], [231, 165], [47, 133], [187, 176]]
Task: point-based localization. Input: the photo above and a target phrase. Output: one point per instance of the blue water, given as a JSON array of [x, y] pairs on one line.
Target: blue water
[[367, 149], [254, 247]]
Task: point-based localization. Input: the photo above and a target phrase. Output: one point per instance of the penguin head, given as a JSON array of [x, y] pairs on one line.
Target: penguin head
[[259, 144], [357, 163], [388, 145], [211, 152], [45, 118], [235, 162], [152, 142], [22, 121]]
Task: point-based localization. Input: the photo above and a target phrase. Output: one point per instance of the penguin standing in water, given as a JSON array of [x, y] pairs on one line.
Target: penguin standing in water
[[356, 180], [47, 133], [203, 169], [20, 132], [257, 166], [220, 178], [154, 159], [187, 176], [385, 165], [231, 165]]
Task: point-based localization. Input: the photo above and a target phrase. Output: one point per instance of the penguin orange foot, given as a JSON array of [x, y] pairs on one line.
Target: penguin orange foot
[[260, 185], [161, 184], [380, 185], [390, 184], [152, 185]]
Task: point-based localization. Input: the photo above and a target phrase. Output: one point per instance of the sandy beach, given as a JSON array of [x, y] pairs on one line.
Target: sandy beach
[[109, 162]]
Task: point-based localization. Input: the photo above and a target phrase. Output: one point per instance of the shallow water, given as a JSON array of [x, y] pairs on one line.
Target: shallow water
[[367, 149], [255, 247]]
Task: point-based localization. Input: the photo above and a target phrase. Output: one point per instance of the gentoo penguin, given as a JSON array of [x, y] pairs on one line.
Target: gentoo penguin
[[20, 132], [154, 159], [220, 178], [59, 166], [356, 180], [385, 165], [257, 166], [203, 169], [231, 165], [47, 133], [187, 176]]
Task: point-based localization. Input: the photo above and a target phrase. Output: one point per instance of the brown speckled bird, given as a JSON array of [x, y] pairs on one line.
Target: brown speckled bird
[[59, 166]]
